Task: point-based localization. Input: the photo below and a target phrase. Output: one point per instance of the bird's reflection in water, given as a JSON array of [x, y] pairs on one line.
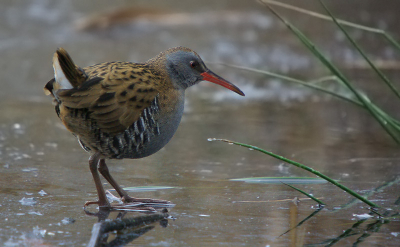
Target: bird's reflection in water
[[123, 230]]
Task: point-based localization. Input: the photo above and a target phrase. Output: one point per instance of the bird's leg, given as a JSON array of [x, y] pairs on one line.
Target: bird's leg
[[93, 164], [103, 169]]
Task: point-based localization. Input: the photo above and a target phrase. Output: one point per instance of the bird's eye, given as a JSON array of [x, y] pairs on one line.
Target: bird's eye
[[193, 64]]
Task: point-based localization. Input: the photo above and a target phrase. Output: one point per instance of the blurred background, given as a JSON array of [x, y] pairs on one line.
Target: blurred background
[[339, 139]]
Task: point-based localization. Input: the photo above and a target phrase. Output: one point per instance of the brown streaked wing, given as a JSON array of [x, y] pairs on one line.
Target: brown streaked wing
[[114, 102]]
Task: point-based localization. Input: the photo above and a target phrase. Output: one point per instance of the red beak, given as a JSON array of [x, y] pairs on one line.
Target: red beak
[[212, 77]]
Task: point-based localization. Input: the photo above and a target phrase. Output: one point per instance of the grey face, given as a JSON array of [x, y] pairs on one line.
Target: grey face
[[185, 68]]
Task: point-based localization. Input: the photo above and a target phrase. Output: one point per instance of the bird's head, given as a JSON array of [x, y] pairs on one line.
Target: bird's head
[[186, 68]]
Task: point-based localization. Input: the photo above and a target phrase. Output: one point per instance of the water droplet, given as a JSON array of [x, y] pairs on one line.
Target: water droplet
[[251, 149], [67, 221], [38, 231], [51, 144], [230, 143], [35, 213], [42, 193], [17, 126], [29, 169], [211, 139], [28, 201]]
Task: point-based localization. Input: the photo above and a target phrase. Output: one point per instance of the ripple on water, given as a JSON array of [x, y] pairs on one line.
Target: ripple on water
[[30, 201]]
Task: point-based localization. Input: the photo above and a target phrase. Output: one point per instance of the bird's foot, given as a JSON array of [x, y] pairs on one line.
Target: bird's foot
[[127, 203], [131, 206], [144, 204]]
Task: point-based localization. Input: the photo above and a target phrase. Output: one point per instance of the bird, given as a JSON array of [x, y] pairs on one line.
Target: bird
[[120, 110]]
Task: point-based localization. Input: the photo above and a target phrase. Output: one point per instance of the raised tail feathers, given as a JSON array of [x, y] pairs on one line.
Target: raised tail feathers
[[66, 74]]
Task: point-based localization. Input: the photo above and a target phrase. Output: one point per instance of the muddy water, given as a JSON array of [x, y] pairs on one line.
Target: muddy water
[[44, 176]]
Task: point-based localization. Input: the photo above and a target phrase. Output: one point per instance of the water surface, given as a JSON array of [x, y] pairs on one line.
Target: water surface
[[45, 178]]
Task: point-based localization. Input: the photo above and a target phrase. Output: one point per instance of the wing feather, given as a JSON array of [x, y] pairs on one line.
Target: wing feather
[[114, 103]]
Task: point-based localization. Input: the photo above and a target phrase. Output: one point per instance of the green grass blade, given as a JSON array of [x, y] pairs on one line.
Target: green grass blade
[[371, 64], [320, 16], [388, 123], [294, 80], [304, 168], [347, 233], [397, 202], [323, 79], [311, 84], [387, 36], [276, 180], [305, 193], [391, 40], [394, 122], [305, 219], [371, 192], [361, 97]]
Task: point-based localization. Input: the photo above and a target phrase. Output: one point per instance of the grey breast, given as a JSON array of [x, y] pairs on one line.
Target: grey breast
[[151, 132]]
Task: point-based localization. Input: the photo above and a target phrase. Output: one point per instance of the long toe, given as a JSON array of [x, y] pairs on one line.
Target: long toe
[[128, 199], [102, 205], [145, 205], [134, 207]]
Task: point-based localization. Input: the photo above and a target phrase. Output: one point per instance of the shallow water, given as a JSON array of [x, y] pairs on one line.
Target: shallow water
[[45, 178]]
